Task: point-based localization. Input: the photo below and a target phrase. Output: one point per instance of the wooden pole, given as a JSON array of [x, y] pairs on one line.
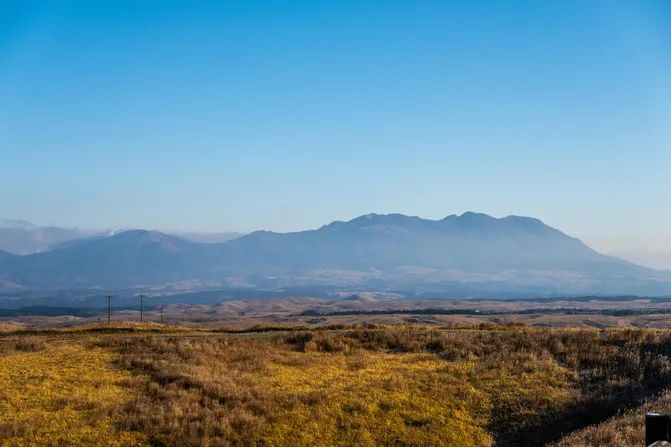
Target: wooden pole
[[109, 309], [141, 307], [162, 313]]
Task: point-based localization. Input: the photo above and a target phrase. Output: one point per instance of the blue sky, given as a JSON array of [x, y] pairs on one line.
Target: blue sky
[[287, 115]]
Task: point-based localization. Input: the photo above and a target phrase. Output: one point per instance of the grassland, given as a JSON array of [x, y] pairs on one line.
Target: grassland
[[61, 393], [409, 385]]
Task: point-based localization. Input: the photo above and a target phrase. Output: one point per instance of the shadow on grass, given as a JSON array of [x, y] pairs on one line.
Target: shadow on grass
[[552, 427]]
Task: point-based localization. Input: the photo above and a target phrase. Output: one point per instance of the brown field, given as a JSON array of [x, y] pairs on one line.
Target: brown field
[[413, 385], [365, 309]]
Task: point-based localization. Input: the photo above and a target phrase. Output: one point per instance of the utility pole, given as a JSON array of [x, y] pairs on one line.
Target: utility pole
[[109, 308], [141, 306], [162, 306]]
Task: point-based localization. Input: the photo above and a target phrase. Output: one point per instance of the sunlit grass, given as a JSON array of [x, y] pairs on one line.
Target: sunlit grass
[[62, 395], [11, 327], [367, 386], [373, 399], [408, 399]]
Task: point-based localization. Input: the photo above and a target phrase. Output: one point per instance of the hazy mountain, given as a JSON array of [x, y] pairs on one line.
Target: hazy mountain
[[130, 258], [21, 237], [463, 255], [471, 241]]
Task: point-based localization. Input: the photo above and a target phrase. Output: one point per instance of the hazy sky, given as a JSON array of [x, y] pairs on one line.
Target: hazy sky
[[287, 115]]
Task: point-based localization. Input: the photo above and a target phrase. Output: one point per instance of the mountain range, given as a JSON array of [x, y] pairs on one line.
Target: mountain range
[[468, 255], [21, 237]]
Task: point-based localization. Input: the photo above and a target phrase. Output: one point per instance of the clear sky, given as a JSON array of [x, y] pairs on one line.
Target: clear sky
[[208, 116]]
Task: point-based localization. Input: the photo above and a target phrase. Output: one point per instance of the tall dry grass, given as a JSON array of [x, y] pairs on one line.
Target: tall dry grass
[[369, 386], [531, 385]]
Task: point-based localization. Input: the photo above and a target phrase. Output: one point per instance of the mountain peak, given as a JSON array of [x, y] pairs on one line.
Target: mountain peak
[[478, 218], [384, 219], [146, 237], [375, 219], [469, 220], [469, 215], [126, 241]]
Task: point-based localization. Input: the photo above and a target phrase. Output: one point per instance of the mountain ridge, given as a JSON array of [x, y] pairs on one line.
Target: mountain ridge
[[20, 237], [373, 251]]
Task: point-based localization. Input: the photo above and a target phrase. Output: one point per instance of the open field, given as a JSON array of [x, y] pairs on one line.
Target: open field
[[503, 385], [362, 308]]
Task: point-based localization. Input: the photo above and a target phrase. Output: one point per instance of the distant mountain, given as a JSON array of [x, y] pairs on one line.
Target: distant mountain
[[21, 237], [468, 255], [134, 257], [472, 241]]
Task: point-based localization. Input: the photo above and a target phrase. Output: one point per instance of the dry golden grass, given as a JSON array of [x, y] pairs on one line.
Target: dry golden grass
[[371, 399], [61, 394], [399, 386], [410, 386], [11, 327]]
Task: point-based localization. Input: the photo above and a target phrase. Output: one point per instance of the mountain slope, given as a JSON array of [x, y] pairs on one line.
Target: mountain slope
[[5, 256], [131, 257], [465, 254], [208, 238]]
